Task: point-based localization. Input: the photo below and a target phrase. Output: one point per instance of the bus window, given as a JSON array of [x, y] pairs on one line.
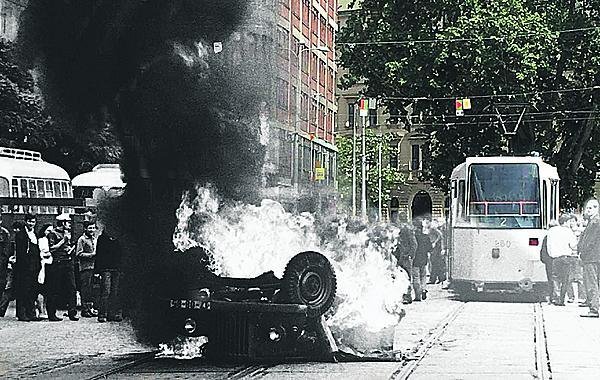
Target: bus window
[[56, 189], [49, 193], [4, 187], [15, 187], [32, 189], [24, 191], [64, 191]]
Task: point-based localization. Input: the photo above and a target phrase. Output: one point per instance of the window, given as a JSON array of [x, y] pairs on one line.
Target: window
[[461, 199], [372, 117], [4, 187], [24, 191], [553, 200], [49, 193], [32, 189], [351, 111], [282, 94], [393, 157], [56, 189], [415, 157], [64, 190], [395, 203], [15, 187]]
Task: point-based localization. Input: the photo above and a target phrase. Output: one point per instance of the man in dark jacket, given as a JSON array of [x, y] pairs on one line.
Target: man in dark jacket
[[589, 252], [547, 260], [61, 273], [404, 253], [108, 265], [26, 270], [421, 259]]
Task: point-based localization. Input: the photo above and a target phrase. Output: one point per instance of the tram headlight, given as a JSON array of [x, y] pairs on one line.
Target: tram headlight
[[534, 242]]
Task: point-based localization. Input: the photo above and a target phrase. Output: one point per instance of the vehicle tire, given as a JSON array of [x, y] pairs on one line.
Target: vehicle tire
[[309, 279]]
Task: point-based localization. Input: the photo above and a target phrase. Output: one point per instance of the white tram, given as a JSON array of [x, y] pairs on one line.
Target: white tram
[[500, 210]]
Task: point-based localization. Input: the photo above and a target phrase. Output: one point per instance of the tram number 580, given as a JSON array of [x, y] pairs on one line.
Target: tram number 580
[[502, 243]]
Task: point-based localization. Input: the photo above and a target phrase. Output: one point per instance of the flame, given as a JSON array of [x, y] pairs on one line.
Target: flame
[[183, 348], [248, 240]]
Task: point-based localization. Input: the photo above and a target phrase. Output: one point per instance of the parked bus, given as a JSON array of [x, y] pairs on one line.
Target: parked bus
[[30, 184], [499, 213], [104, 180]]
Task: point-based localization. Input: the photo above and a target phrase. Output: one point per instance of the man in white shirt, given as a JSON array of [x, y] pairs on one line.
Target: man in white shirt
[[561, 244]]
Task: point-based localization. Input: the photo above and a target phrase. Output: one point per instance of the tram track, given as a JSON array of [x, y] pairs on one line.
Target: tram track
[[542, 358], [409, 365]]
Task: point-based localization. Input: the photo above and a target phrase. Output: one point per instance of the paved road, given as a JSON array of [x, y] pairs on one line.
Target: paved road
[[443, 337]]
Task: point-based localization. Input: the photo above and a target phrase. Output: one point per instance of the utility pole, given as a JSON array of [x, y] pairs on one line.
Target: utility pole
[[363, 195], [379, 214], [354, 168]]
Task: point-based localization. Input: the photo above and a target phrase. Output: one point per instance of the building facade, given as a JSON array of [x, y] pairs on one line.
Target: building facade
[[414, 196], [305, 110], [10, 10]]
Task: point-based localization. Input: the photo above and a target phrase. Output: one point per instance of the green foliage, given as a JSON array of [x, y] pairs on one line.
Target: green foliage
[[390, 176], [525, 55], [25, 124]]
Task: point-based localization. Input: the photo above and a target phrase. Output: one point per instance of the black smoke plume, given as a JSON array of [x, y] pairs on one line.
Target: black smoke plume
[[184, 111]]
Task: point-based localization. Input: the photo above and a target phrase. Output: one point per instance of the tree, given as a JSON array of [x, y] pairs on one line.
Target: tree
[[484, 50], [390, 176], [25, 124]]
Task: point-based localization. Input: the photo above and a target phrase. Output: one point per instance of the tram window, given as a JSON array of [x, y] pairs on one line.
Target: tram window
[[24, 191], [15, 188], [544, 204], [41, 188], [553, 197], [461, 199], [453, 189], [4, 187]]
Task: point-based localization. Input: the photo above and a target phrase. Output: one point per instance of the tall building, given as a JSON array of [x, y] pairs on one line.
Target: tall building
[[305, 90], [414, 196], [10, 11]]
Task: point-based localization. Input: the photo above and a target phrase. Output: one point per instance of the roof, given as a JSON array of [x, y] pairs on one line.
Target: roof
[[546, 170], [106, 176], [13, 167]]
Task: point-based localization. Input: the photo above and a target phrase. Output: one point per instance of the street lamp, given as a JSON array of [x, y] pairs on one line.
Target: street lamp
[[324, 49]]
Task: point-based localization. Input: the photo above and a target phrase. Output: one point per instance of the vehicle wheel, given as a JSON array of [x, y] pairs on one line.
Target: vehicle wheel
[[309, 280]]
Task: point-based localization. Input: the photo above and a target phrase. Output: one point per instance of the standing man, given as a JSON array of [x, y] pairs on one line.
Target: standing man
[[589, 252], [108, 265], [86, 252], [560, 244], [404, 253], [421, 259], [61, 273], [4, 255], [26, 270]]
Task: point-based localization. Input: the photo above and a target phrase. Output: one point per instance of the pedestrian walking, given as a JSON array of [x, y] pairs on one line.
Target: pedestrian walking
[[589, 252], [420, 261], [61, 274], [86, 253], [26, 270], [560, 244], [108, 266], [4, 256], [404, 253]]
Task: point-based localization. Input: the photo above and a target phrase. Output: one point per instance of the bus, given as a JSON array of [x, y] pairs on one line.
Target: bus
[[500, 209], [30, 184], [104, 180]]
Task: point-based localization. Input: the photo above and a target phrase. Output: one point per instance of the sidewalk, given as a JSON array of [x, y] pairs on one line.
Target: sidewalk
[[573, 342], [32, 348]]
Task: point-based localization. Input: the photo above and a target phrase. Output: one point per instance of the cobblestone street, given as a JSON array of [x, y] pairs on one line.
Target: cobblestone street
[[33, 348]]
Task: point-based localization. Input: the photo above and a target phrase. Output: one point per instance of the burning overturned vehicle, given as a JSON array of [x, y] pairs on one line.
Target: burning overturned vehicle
[[262, 318]]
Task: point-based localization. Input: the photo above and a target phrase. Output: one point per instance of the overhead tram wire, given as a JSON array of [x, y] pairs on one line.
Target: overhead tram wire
[[465, 39]]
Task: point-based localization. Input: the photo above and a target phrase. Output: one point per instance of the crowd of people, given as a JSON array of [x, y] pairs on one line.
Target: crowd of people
[[46, 268], [421, 252], [571, 254]]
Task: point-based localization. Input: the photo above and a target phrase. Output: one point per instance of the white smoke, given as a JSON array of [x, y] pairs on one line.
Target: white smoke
[[248, 240]]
